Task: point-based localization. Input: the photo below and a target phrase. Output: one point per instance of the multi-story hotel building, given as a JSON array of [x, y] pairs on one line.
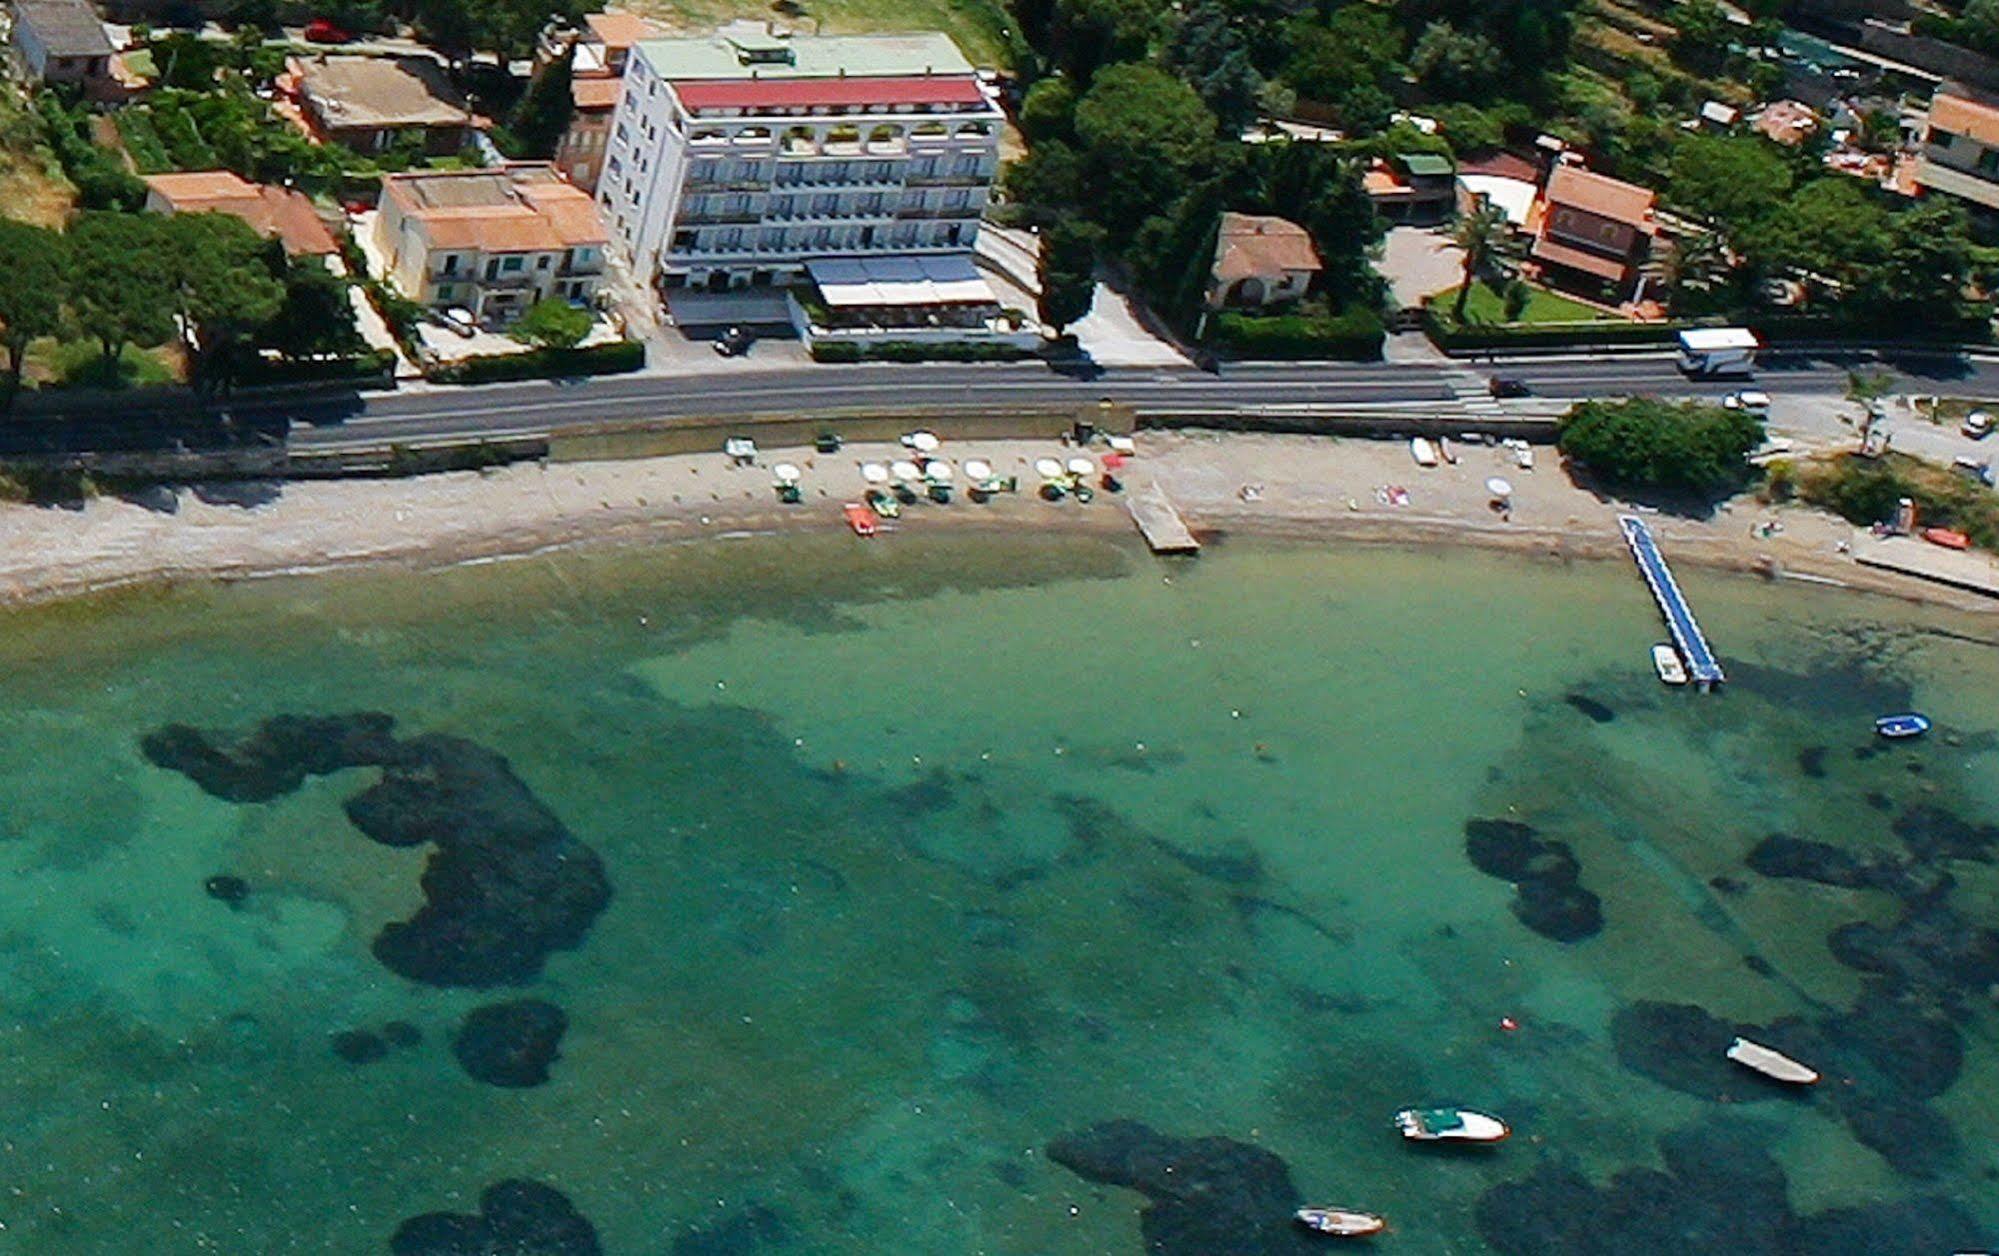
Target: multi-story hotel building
[[736, 159]]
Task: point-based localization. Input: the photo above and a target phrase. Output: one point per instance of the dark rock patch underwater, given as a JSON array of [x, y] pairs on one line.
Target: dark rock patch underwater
[[1548, 896], [507, 884], [511, 1044], [515, 1218], [1206, 1195], [1718, 1192]]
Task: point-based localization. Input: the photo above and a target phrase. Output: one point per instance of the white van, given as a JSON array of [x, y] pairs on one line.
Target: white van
[[1719, 351]]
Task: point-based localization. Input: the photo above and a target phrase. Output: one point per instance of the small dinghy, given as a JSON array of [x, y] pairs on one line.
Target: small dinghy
[[1666, 661], [1908, 724], [859, 518], [1343, 1223], [1771, 1062], [1422, 451], [1445, 451], [1464, 1125]]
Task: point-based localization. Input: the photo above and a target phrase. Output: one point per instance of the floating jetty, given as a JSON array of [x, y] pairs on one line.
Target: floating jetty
[[1159, 522], [1702, 666]]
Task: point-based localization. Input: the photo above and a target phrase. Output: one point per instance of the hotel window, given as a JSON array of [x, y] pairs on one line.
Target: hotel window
[[967, 165]]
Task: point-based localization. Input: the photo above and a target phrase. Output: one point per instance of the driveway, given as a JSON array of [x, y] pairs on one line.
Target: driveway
[[1113, 333], [1420, 262]]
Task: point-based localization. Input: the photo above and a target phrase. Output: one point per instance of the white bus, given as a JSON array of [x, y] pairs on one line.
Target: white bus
[[1719, 351]]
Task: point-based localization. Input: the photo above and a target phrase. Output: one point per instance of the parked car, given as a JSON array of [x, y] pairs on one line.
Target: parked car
[[459, 319], [321, 30], [733, 343], [1755, 401], [1977, 425], [1507, 386], [1973, 468]]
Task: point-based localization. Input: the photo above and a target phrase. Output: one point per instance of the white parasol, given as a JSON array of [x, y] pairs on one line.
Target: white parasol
[[874, 473], [1048, 468], [904, 470], [923, 442], [937, 471], [785, 473], [1498, 487], [1082, 466], [978, 469]]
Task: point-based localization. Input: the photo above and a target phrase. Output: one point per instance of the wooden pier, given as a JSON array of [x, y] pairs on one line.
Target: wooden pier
[[1159, 522], [1702, 665]]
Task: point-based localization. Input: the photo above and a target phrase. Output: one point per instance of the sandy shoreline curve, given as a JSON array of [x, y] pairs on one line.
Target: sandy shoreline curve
[[1290, 487]]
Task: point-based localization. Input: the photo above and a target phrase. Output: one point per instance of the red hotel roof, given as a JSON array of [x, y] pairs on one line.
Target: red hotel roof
[[805, 93]]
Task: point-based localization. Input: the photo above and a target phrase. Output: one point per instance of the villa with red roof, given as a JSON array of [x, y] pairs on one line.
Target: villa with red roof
[[1593, 231], [741, 158]]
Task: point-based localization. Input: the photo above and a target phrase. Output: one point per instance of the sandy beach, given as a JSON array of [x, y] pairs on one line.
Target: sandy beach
[[1291, 486]]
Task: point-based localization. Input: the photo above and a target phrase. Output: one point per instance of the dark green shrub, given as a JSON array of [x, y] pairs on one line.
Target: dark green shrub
[[1354, 335], [1646, 443], [613, 358]]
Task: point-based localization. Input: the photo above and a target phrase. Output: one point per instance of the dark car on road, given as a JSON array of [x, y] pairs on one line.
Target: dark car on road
[[1507, 386]]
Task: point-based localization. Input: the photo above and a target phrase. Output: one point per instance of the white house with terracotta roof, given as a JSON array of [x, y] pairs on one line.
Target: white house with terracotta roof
[[275, 213], [601, 51], [1593, 230], [1960, 148], [1260, 261], [736, 159], [492, 242]]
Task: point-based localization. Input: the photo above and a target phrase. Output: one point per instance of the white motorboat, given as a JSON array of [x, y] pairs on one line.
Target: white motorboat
[[1465, 1125], [1666, 661], [1772, 1063], [1346, 1223], [1445, 450], [1422, 451]]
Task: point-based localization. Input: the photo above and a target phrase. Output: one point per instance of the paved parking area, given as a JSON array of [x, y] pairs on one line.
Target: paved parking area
[[1420, 262]]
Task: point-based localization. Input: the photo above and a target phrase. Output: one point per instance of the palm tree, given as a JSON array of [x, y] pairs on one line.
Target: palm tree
[[1866, 389], [1480, 234], [1696, 261]]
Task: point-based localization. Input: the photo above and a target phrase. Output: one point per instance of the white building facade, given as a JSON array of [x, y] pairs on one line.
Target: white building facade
[[736, 159]]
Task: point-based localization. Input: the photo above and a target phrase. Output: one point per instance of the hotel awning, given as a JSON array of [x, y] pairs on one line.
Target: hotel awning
[[847, 282]]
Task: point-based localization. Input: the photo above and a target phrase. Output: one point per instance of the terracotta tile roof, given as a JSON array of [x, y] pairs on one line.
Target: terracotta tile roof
[[274, 212], [1966, 111], [595, 93], [619, 31], [804, 93], [1601, 195], [1787, 121], [1380, 179], [1576, 259], [1501, 165], [1252, 245], [518, 208]]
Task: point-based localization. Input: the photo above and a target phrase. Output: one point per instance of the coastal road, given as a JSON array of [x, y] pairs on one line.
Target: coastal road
[[532, 409], [538, 408]]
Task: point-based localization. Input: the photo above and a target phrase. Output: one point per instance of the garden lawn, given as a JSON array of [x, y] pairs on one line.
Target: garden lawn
[[976, 25], [1543, 306]]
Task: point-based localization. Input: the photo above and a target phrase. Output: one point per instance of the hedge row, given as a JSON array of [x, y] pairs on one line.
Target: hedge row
[[376, 365], [1354, 335], [612, 358], [917, 351], [1447, 333]]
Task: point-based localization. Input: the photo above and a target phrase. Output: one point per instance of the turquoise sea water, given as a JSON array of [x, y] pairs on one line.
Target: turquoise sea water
[[929, 853]]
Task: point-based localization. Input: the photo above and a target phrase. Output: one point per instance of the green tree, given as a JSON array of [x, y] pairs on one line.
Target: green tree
[[1736, 180], [32, 279], [1518, 294], [552, 324], [120, 286], [1346, 64], [1703, 33], [1866, 390], [545, 108], [1048, 111], [1068, 271], [1144, 135], [1210, 49], [1458, 65], [1047, 182], [316, 317], [223, 288], [1697, 261], [1089, 34], [1645, 443], [1480, 234]]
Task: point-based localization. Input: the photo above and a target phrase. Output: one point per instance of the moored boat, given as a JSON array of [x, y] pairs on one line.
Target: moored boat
[[1465, 1125], [859, 518], [1666, 661], [1445, 451], [1341, 1222], [1771, 1062], [1907, 724], [1422, 451]]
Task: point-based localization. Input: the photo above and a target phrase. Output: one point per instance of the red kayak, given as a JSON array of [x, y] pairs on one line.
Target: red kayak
[[859, 518], [1947, 538]]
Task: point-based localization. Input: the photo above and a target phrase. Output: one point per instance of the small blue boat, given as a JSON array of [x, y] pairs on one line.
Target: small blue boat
[[1897, 726]]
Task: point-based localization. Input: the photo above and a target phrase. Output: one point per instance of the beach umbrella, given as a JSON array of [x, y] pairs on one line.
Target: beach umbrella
[[1082, 467], [1499, 488], [1048, 468], [874, 473], [937, 471], [786, 473], [978, 469], [924, 442], [1113, 461], [904, 470]]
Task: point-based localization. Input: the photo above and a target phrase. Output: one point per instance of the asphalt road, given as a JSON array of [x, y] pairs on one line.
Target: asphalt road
[[542, 407]]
